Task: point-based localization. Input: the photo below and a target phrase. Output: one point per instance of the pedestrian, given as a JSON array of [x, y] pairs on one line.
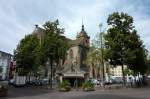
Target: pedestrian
[[130, 81], [133, 81], [137, 80]]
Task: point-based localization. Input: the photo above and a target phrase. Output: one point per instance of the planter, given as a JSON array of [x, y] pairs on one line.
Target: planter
[[3, 88], [65, 86], [88, 86], [64, 89], [88, 89]]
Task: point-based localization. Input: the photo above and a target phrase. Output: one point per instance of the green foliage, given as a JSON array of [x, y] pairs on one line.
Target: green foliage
[[54, 45], [136, 54], [88, 85], [93, 56], [25, 55], [94, 61], [65, 85], [128, 71], [121, 25], [123, 43], [33, 52], [148, 65]]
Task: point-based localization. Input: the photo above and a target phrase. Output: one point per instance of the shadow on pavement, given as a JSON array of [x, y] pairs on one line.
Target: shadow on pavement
[[104, 96], [25, 91]]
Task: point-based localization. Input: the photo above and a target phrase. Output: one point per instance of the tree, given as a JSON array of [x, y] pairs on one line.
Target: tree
[[127, 71], [33, 52], [94, 61], [24, 54], [98, 42], [124, 46], [136, 54], [54, 46], [148, 65]]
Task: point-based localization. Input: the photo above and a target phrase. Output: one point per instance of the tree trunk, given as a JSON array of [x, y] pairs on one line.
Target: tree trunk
[[51, 72], [123, 76]]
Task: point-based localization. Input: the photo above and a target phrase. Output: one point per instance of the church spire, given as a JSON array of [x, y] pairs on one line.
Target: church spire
[[82, 26]]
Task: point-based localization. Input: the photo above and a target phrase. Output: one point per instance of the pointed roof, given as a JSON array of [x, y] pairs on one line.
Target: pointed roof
[[82, 33], [82, 27]]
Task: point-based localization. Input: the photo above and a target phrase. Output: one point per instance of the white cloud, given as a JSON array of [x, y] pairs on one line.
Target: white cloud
[[19, 16]]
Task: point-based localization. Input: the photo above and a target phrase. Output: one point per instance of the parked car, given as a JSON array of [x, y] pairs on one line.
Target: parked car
[[116, 80], [108, 82], [38, 82], [45, 81], [95, 81]]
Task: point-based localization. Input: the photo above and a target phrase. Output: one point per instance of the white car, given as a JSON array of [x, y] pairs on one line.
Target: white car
[[95, 81]]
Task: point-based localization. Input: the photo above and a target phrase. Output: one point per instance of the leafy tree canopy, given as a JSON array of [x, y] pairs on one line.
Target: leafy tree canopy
[[123, 43], [34, 51]]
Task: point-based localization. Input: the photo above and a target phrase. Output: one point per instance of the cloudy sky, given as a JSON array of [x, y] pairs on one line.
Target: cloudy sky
[[18, 17]]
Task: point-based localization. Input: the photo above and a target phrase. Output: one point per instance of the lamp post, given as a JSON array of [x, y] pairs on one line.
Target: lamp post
[[101, 46]]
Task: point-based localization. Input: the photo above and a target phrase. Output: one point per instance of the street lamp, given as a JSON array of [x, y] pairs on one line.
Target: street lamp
[[101, 44]]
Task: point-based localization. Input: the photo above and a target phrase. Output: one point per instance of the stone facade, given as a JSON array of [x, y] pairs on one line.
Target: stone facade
[[74, 66]]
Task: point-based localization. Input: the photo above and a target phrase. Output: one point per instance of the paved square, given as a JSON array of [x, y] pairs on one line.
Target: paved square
[[37, 93]]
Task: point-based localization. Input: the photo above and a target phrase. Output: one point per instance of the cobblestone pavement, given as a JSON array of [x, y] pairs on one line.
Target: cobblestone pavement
[[39, 93]]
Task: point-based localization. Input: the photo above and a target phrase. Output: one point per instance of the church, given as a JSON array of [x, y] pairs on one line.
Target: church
[[74, 69]]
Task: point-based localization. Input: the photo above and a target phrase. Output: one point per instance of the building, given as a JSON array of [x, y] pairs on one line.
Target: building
[[74, 67], [117, 71], [5, 61]]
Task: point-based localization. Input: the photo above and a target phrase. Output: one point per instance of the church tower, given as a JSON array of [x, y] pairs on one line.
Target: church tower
[[83, 38], [83, 45], [74, 67]]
